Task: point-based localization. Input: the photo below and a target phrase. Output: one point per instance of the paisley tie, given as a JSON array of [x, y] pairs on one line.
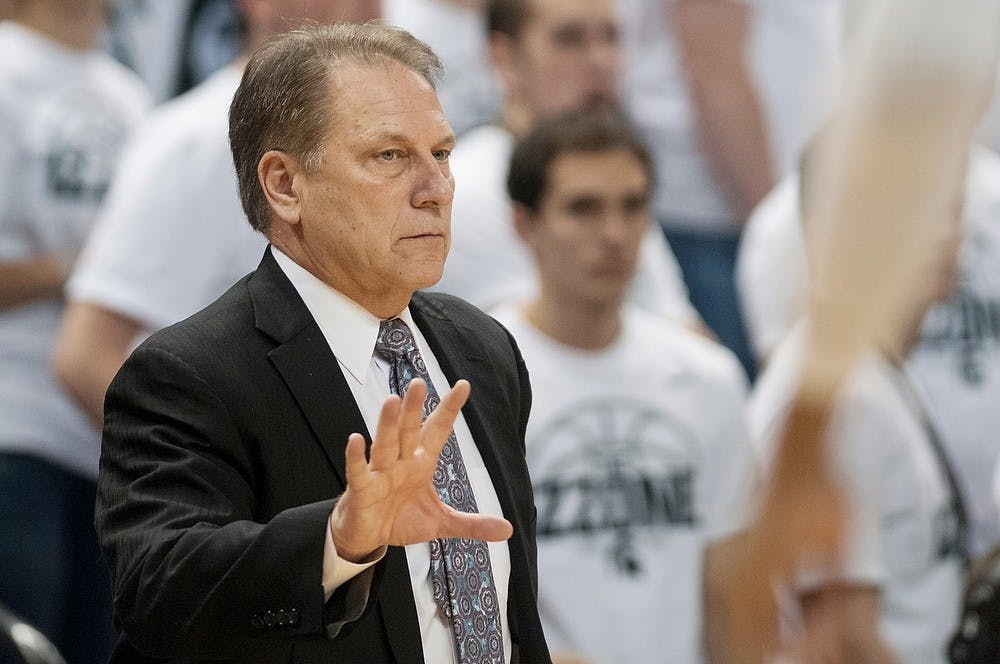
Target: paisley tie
[[460, 572]]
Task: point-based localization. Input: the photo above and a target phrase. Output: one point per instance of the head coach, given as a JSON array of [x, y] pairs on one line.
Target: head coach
[[245, 509]]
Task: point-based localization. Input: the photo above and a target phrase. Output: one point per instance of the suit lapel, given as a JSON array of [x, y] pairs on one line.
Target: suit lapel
[[305, 362], [456, 351], [315, 379]]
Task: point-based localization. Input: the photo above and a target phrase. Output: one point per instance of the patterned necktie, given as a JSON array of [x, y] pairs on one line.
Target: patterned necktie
[[460, 572]]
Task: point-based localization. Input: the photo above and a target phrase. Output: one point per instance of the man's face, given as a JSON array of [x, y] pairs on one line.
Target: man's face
[[566, 57], [587, 230], [376, 216]]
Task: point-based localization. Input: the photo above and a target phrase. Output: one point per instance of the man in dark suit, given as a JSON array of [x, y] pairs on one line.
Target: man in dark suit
[[238, 508]]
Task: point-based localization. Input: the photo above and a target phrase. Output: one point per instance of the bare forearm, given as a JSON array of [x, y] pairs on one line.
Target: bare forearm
[[27, 281], [723, 630], [712, 37], [91, 347], [733, 133], [841, 625]]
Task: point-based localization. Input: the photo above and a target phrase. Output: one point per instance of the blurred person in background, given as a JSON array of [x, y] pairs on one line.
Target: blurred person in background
[[633, 476], [552, 57], [690, 87], [455, 30], [66, 109], [153, 259], [174, 44]]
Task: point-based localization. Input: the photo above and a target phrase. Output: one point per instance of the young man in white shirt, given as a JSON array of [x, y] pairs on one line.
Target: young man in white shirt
[[632, 471], [551, 57]]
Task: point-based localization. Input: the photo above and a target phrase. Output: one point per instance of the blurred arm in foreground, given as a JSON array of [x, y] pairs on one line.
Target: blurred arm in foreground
[[913, 92]]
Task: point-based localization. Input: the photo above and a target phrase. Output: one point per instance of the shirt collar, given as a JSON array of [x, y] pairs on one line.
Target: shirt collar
[[349, 329]]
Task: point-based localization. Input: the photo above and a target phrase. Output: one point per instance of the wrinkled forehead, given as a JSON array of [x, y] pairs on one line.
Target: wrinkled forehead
[[384, 97]]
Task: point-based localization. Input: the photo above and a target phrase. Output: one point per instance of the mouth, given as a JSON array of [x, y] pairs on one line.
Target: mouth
[[424, 236], [612, 268]]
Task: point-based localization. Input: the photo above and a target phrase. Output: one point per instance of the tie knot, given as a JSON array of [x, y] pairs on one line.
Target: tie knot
[[394, 339]]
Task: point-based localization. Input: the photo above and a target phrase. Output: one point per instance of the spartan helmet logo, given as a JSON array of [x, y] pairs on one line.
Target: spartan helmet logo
[[619, 474]]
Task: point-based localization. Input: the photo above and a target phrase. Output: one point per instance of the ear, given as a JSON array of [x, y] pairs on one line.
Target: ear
[[277, 172], [525, 223]]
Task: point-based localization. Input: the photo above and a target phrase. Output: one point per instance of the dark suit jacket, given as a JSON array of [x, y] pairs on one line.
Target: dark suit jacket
[[223, 451]]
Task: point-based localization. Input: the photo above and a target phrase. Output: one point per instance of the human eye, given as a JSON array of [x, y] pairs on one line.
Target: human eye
[[584, 208], [442, 155], [569, 37], [390, 154], [636, 205], [610, 35]]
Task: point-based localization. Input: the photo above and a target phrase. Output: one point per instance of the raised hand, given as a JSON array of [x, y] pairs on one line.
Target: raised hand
[[390, 498]]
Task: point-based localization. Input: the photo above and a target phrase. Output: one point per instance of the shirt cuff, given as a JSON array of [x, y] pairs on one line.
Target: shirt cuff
[[336, 570]]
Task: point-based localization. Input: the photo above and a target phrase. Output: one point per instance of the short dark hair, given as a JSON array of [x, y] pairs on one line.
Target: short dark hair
[[283, 99], [507, 17], [582, 130]]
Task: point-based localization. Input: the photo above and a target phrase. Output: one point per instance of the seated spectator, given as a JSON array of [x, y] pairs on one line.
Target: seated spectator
[[632, 474]]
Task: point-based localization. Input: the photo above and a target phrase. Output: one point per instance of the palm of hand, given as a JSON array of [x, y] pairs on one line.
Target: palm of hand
[[390, 499]]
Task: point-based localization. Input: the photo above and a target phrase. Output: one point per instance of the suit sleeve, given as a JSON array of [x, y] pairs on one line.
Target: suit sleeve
[[524, 411], [193, 572]]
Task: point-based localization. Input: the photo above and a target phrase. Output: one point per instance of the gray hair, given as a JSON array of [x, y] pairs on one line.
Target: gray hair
[[283, 99]]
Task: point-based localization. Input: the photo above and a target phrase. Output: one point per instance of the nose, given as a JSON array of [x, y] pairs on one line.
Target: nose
[[434, 185], [603, 57], [615, 230]]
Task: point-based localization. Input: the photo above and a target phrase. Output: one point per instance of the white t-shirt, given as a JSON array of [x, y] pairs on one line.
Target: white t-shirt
[[468, 92], [791, 49], [956, 363], [64, 115], [635, 452], [172, 236], [772, 272], [489, 264], [794, 55], [901, 525]]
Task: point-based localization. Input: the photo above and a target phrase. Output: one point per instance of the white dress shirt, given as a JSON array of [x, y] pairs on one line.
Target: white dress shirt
[[351, 332]]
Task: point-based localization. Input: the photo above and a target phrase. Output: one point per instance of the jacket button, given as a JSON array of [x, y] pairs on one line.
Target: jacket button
[[282, 618], [270, 619], [257, 622], [293, 617]]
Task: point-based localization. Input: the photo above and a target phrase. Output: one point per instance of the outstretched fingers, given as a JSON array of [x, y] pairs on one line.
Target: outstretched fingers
[[475, 526], [439, 423], [355, 463], [411, 417], [385, 446]]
